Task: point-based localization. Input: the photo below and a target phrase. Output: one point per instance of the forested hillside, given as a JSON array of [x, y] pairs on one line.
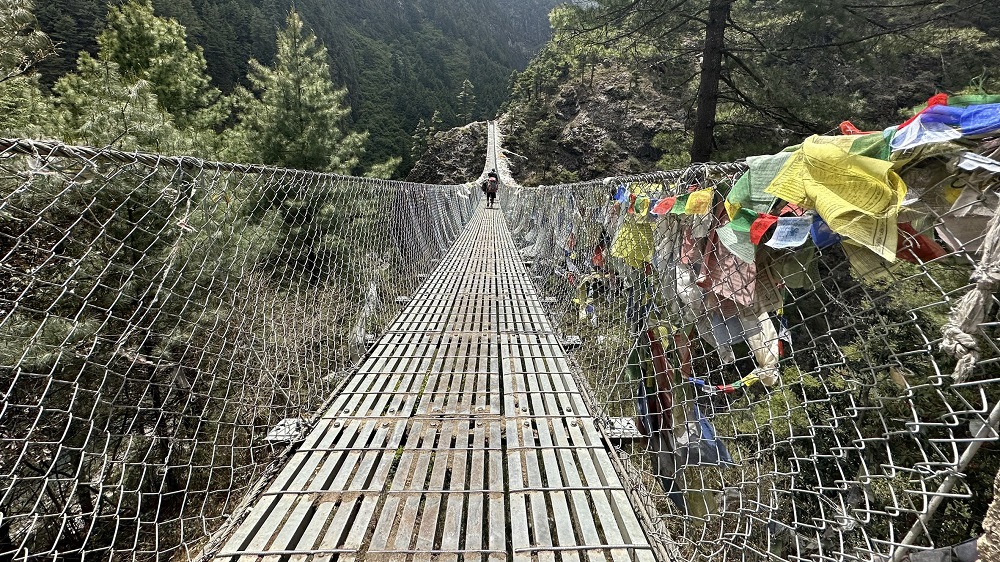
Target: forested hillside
[[640, 84], [400, 61], [625, 85]]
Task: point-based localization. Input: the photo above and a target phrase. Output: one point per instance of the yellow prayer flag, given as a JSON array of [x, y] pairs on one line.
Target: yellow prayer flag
[[641, 206], [865, 264], [634, 243], [700, 202], [951, 194], [732, 209], [643, 188], [857, 196]]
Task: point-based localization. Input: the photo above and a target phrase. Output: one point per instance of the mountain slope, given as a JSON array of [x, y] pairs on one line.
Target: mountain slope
[[401, 60]]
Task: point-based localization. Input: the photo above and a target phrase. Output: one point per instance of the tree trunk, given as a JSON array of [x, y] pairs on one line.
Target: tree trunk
[[711, 75]]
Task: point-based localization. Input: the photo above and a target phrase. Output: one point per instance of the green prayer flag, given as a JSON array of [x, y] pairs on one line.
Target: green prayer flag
[[972, 99], [681, 204], [738, 243], [749, 189], [744, 220], [874, 145]]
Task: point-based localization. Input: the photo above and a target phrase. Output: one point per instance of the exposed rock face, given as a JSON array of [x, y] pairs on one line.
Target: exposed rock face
[[452, 157], [989, 543], [591, 128], [595, 127]]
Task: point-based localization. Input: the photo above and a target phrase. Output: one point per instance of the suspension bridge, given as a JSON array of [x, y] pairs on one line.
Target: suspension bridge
[[464, 433], [217, 361]]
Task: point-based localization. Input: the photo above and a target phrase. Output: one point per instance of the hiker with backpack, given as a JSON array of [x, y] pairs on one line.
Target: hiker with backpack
[[491, 186]]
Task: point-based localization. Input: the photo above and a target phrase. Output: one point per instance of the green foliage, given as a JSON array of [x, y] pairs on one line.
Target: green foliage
[[436, 122], [96, 105], [299, 120], [22, 44], [73, 26], [674, 146], [466, 103], [23, 108], [154, 49], [421, 135], [779, 410], [384, 170], [144, 90]]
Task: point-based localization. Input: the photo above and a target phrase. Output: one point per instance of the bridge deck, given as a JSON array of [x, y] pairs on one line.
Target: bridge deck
[[463, 436]]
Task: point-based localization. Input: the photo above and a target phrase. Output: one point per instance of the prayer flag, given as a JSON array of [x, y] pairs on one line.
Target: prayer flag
[[663, 206], [791, 232], [760, 227], [700, 202]]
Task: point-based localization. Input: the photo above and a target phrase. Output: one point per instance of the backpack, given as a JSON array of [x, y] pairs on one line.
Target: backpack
[[492, 185]]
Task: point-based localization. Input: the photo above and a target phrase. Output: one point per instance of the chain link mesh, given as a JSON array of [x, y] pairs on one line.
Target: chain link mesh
[[168, 326], [799, 408]]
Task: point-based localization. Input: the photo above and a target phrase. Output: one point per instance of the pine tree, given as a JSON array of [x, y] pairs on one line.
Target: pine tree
[[154, 49], [436, 123], [24, 110], [22, 44], [466, 103], [384, 170], [419, 140], [298, 121], [96, 105]]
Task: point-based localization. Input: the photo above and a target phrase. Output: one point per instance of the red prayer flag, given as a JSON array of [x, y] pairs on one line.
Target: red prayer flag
[[598, 258], [936, 99], [848, 128], [760, 227], [663, 206], [791, 210], [915, 247]]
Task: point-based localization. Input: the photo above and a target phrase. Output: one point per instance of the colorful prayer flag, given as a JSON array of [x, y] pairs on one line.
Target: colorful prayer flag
[[663, 206], [760, 227], [700, 202]]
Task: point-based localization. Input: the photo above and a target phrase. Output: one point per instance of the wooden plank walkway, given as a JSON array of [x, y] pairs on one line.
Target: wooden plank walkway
[[462, 437]]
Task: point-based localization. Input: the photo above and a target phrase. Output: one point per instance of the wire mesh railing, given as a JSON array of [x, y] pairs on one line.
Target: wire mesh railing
[[779, 391], [168, 326]]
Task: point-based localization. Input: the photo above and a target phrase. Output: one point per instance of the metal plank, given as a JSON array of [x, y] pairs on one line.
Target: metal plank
[[477, 503], [454, 517]]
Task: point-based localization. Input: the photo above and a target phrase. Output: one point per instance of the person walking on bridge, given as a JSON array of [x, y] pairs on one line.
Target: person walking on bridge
[[491, 186]]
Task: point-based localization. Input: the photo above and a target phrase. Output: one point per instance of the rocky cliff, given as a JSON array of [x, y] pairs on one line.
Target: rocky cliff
[[610, 123], [454, 156], [989, 543]]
